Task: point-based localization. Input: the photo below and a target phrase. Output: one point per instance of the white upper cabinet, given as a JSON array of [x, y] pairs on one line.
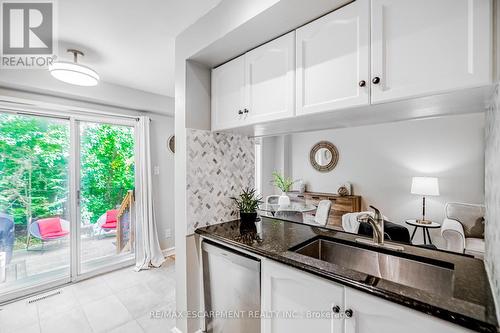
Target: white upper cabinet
[[255, 87], [333, 59], [228, 94], [366, 52], [287, 291], [270, 80], [427, 46]]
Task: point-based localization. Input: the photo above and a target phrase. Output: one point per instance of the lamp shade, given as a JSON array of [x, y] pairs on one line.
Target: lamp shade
[[425, 186]]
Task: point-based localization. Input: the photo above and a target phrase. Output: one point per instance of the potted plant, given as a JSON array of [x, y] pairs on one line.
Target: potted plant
[[248, 203], [284, 184]]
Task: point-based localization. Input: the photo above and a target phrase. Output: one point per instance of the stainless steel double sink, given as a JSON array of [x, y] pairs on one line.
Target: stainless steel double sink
[[421, 273]]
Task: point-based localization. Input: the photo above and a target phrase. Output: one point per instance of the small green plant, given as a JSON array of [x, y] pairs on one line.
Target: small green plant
[[248, 201], [282, 182]]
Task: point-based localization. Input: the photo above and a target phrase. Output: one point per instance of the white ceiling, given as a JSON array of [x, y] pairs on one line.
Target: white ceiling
[[129, 43]]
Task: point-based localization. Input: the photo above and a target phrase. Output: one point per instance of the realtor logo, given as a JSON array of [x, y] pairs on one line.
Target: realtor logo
[[27, 34]]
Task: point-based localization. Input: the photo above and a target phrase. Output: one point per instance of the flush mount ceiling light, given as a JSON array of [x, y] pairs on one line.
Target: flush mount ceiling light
[[73, 72]]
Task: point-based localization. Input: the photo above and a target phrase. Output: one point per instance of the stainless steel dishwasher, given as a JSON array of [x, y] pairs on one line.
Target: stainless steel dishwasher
[[231, 283]]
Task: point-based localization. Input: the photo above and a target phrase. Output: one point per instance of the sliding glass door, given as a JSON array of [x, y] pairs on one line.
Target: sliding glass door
[[67, 208], [35, 206], [107, 183]]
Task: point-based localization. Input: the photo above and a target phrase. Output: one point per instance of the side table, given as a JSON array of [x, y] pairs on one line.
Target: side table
[[425, 229]]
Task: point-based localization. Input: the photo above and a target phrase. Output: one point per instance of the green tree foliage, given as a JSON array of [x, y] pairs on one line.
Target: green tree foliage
[[34, 155], [33, 167], [107, 159]]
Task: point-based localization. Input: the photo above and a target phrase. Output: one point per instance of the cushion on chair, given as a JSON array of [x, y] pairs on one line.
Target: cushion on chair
[[110, 225], [55, 235], [112, 216], [111, 219], [50, 228], [475, 247], [470, 216], [49, 225]]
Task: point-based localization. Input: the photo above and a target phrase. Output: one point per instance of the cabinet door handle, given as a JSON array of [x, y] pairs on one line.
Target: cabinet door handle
[[362, 83], [246, 111], [376, 80], [348, 313], [336, 309], [240, 112]]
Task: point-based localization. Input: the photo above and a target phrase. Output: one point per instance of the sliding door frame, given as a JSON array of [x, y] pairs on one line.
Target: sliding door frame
[[74, 118], [74, 199], [77, 273]]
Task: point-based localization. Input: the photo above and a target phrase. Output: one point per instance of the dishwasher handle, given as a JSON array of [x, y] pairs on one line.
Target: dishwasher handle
[[235, 258]]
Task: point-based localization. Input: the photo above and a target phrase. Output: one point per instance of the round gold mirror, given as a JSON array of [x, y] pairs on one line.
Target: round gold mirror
[[171, 143], [324, 156]]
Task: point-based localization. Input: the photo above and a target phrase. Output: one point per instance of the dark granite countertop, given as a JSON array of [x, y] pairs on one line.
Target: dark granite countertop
[[471, 304]]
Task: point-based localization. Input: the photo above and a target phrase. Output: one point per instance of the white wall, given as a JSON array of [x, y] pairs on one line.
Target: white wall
[[162, 127], [380, 161], [276, 156], [41, 82], [268, 164]]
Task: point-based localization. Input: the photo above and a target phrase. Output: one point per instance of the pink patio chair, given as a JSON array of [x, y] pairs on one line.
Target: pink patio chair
[[106, 224], [48, 229]]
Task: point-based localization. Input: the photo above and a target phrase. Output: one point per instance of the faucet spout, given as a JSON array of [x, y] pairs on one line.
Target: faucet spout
[[377, 223]]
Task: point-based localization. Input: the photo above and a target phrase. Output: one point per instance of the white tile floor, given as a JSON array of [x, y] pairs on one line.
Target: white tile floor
[[120, 301]]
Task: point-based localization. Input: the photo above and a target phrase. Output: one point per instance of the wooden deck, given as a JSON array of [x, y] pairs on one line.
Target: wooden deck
[[55, 256]]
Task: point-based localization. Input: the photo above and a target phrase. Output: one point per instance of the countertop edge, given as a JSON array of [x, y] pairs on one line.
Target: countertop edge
[[453, 317]]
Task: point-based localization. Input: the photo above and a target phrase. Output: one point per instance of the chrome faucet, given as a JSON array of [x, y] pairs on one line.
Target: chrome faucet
[[377, 223]]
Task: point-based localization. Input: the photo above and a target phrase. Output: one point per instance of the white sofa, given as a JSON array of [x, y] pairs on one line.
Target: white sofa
[[463, 228]]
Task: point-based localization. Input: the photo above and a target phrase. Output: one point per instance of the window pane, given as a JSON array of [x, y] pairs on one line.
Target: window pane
[[34, 207], [107, 176]]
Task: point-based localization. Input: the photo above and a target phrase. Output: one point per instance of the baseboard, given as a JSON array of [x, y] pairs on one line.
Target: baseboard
[[168, 252]]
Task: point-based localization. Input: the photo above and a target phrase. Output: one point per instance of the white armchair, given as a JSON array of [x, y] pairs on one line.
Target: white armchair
[[463, 228]]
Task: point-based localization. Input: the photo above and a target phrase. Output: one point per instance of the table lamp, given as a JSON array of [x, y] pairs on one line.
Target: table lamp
[[424, 186]]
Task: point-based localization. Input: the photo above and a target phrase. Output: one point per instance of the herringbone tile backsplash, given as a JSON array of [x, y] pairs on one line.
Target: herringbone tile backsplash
[[219, 165]]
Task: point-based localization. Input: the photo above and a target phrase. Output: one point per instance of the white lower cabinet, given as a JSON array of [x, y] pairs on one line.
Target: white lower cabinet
[[372, 314], [286, 290]]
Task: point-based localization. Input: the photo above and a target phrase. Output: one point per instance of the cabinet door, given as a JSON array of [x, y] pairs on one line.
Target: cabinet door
[[333, 59], [372, 314], [427, 46], [228, 89], [311, 299], [270, 80]]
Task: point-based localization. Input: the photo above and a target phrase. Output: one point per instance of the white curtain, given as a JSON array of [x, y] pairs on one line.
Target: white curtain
[[148, 253]]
